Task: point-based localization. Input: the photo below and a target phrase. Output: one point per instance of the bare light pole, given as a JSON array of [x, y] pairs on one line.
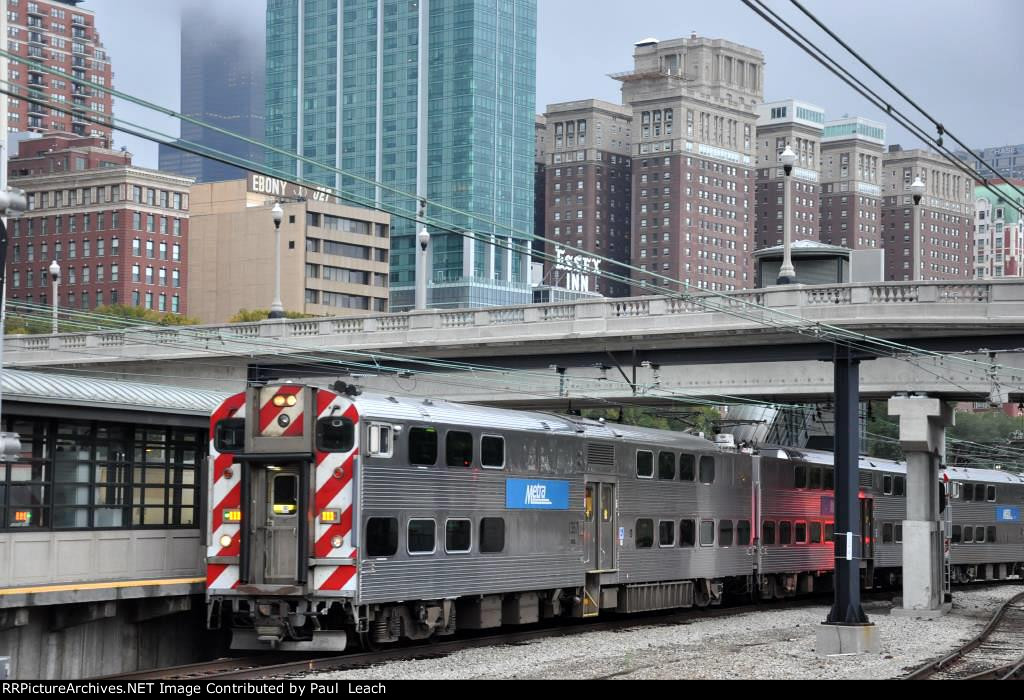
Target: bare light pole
[[55, 278], [787, 275], [277, 308], [917, 190], [422, 269]]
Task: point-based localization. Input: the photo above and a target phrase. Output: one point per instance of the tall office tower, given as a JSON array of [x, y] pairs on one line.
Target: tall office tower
[[222, 83], [57, 34], [694, 114], [943, 247], [797, 125], [417, 100], [1007, 160], [999, 230], [851, 183], [587, 193], [539, 184]]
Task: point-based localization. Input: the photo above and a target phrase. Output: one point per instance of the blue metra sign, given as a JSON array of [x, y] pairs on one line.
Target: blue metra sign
[[536, 494], [1007, 515]]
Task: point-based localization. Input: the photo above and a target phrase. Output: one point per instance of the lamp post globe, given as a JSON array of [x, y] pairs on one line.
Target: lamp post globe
[[55, 279], [277, 308], [787, 274], [788, 159], [917, 190]]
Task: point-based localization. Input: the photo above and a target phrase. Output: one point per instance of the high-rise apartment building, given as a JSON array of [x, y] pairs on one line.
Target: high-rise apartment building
[[422, 100], [222, 83], [1007, 160], [588, 182], [799, 126], [539, 183], [118, 232], [999, 230], [694, 103], [851, 183], [59, 35], [943, 247]]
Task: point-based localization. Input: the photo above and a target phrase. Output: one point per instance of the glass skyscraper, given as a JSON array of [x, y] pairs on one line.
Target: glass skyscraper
[[431, 99]]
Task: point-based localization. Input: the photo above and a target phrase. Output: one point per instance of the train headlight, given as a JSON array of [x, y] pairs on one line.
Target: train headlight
[[291, 400], [336, 541], [279, 400], [284, 420], [226, 540]]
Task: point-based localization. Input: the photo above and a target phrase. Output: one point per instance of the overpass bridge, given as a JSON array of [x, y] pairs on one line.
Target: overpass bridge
[[639, 350]]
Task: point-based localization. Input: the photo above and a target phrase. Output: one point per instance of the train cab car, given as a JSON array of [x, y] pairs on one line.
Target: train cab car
[[986, 537]]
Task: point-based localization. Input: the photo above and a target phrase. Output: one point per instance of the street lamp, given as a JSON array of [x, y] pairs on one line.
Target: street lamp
[[55, 278], [422, 269], [277, 308], [787, 275], [917, 190]]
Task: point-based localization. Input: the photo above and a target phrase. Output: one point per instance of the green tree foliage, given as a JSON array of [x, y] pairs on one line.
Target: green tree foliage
[[704, 419], [111, 316], [248, 316], [881, 431]]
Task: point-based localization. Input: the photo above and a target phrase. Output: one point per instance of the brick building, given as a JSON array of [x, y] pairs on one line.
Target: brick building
[[851, 183]]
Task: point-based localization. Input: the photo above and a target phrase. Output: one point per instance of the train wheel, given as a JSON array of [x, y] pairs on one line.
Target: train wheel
[[366, 643], [701, 598]]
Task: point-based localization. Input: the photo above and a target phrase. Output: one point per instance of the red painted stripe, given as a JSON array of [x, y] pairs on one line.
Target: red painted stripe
[[232, 499], [227, 409], [294, 429], [333, 485], [324, 399], [337, 580], [268, 413], [213, 572], [220, 463], [235, 548], [323, 545]]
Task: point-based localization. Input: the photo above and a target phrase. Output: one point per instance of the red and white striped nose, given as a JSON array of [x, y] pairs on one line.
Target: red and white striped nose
[[281, 410]]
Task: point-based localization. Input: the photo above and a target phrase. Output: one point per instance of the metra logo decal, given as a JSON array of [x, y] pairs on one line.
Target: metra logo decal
[[536, 494], [1007, 515]]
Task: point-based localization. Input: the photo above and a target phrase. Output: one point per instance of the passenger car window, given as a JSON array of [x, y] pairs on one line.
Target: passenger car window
[[381, 537], [707, 470], [887, 533], [800, 477], [743, 533], [644, 464], [899, 486], [687, 533], [990, 494], [666, 533], [979, 492], [644, 533], [421, 538], [815, 478], [380, 440], [979, 534], [968, 534], [829, 480], [815, 532], [800, 533], [335, 434], [492, 452], [458, 536], [990, 534], [724, 533], [830, 531], [458, 448], [666, 465], [686, 467], [955, 535], [887, 484], [767, 532], [423, 446], [707, 533], [492, 535], [785, 532]]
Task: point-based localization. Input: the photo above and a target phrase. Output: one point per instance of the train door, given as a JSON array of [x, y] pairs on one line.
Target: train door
[[599, 542], [867, 530], [276, 527]]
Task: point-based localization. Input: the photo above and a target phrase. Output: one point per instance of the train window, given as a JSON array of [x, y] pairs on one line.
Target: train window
[[644, 464], [829, 481], [979, 492], [955, 537], [423, 446], [458, 536], [492, 535], [968, 534], [899, 486], [229, 435], [887, 533], [666, 533], [815, 478], [707, 470], [588, 503], [686, 467], [286, 494], [767, 532], [492, 452], [458, 448], [800, 477], [800, 533], [785, 532], [335, 434], [724, 533], [687, 533], [666, 465], [421, 538], [644, 533], [897, 533], [743, 533], [990, 533], [830, 531], [979, 534], [815, 533], [381, 444], [990, 494], [606, 503], [381, 537], [707, 533], [967, 491], [887, 484]]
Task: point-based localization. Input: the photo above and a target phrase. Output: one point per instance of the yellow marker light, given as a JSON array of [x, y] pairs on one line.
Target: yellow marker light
[[232, 515], [330, 516], [225, 540], [291, 400], [22, 516]]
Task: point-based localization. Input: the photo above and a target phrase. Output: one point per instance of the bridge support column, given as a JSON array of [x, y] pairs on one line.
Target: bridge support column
[[847, 629], [923, 423]]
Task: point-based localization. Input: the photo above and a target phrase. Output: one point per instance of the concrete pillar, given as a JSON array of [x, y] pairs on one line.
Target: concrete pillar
[[923, 423]]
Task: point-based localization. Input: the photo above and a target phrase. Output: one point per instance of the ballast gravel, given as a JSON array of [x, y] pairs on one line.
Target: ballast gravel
[[773, 644]]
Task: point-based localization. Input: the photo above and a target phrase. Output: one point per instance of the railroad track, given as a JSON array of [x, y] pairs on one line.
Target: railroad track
[[997, 653]]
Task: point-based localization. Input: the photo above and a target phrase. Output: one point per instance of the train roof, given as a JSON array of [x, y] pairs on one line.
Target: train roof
[[880, 464], [406, 408]]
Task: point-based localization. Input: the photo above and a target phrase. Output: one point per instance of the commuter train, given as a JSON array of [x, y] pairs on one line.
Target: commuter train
[[339, 518]]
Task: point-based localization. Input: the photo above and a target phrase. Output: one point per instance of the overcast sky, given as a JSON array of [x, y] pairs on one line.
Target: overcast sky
[[960, 60]]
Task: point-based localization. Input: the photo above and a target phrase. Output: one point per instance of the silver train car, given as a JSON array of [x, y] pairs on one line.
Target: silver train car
[[338, 519]]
